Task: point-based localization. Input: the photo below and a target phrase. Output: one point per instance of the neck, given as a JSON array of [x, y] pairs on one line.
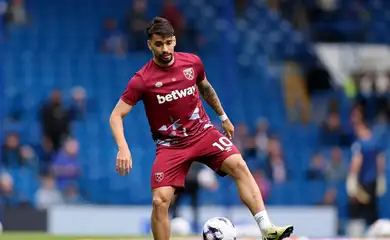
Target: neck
[[163, 64]]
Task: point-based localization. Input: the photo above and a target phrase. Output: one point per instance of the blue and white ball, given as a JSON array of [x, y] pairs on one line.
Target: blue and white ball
[[219, 228]]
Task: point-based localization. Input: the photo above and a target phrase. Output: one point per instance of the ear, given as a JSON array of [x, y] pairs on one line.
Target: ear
[[174, 41], [150, 45]]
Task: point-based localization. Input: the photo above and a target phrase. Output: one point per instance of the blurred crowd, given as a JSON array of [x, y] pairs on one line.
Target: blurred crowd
[[327, 20], [122, 35], [54, 159]]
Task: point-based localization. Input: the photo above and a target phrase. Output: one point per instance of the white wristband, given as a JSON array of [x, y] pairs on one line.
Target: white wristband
[[223, 117]]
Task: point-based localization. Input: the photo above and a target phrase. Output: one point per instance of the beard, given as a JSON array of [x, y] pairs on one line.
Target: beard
[[165, 58]]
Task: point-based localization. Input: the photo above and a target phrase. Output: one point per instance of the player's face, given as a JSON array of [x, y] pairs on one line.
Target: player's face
[[162, 48]]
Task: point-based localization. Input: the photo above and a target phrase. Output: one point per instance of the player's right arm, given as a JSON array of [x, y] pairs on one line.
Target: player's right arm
[[123, 159], [129, 98], [116, 122]]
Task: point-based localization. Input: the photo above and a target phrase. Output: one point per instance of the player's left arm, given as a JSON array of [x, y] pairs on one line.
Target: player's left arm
[[210, 96]]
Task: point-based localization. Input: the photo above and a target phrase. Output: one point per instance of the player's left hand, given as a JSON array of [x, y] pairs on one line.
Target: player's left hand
[[228, 128]]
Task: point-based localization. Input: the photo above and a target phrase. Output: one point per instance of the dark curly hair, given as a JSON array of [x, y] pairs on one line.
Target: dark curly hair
[[160, 26]]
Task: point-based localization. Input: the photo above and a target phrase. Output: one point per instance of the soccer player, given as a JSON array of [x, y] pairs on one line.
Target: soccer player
[[366, 179], [169, 86]]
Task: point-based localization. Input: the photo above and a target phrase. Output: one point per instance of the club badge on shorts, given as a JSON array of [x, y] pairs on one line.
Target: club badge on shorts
[[159, 176], [189, 73]]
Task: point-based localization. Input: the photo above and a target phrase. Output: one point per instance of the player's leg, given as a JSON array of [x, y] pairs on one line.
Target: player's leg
[[168, 173], [235, 166], [247, 187], [224, 158], [162, 198]]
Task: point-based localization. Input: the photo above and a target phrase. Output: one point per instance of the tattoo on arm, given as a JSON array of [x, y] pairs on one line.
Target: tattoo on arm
[[210, 96]]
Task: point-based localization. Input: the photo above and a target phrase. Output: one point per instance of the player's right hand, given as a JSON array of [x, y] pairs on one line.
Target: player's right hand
[[124, 161]]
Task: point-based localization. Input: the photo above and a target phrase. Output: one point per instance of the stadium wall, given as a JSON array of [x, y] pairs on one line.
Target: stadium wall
[[113, 220], [24, 219], [134, 220]]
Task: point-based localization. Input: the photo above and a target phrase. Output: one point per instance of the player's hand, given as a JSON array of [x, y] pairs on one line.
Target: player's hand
[[352, 185], [381, 187], [124, 161], [228, 128]]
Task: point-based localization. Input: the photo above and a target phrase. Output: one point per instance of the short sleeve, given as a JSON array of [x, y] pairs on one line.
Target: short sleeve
[[356, 148], [201, 74], [134, 90]]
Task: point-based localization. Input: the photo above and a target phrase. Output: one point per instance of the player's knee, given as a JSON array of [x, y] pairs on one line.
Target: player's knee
[[239, 169], [160, 203]]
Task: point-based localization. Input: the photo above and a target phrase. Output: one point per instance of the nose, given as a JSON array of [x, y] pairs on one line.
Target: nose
[[165, 48]]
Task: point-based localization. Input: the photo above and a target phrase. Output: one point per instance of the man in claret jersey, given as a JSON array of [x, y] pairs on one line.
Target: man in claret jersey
[[169, 86]]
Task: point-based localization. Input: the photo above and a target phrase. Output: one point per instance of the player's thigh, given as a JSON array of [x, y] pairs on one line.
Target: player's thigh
[[235, 166], [170, 168], [214, 149]]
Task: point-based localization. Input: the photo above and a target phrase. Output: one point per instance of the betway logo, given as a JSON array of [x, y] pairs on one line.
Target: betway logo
[[176, 94]]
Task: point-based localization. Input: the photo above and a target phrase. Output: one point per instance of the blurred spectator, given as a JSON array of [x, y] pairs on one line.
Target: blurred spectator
[[275, 168], [29, 158], [330, 197], [336, 170], [173, 14], [3, 10], [47, 194], [17, 13], [193, 38], [66, 167], [78, 108], [317, 168], [15, 155], [7, 194], [55, 119], [263, 183], [136, 23], [72, 195], [296, 94], [357, 115], [244, 141], [261, 137], [240, 6], [332, 132], [366, 93], [11, 156], [113, 40], [45, 152], [382, 86], [338, 21]]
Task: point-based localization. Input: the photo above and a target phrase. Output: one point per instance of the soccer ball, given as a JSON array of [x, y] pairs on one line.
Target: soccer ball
[[219, 228], [180, 227]]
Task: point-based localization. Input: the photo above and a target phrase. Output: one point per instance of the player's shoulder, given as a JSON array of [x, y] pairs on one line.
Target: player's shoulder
[[187, 57], [146, 70]]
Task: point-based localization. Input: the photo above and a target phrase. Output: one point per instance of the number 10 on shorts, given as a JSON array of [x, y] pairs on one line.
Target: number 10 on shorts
[[224, 144]]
